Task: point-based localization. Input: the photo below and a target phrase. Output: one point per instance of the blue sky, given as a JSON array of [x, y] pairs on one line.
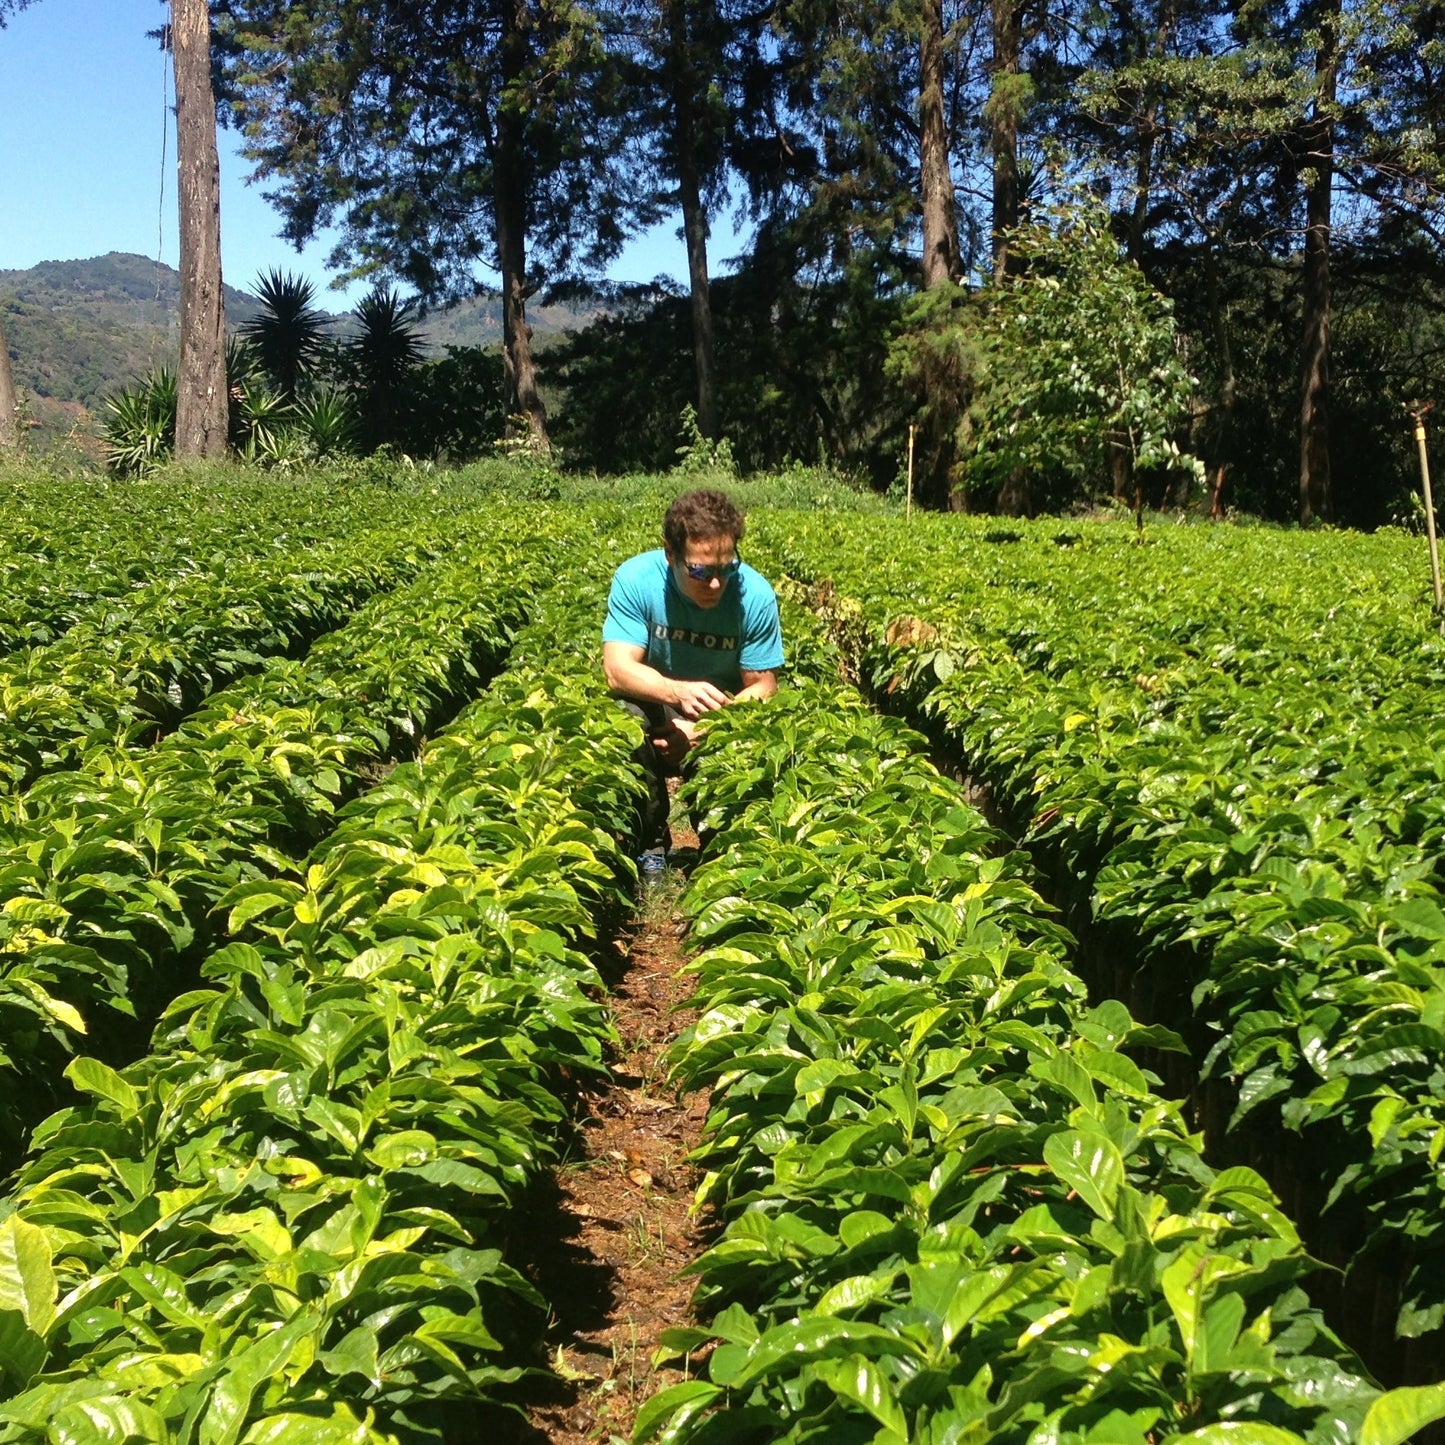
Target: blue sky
[[83, 127]]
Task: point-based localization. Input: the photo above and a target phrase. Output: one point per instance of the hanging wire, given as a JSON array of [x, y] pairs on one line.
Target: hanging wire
[[165, 39]]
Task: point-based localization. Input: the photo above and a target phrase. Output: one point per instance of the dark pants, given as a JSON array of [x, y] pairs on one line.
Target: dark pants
[[656, 718]]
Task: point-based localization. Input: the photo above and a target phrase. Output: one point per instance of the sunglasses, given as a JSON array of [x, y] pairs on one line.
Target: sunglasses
[[706, 571]]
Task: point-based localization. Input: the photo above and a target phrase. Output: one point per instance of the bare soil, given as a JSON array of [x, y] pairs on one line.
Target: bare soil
[[621, 1207]]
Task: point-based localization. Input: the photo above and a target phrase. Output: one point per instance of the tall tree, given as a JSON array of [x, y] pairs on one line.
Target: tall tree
[[1316, 495], [1166, 18], [202, 400], [9, 404], [1241, 139], [9, 407], [689, 95], [941, 259], [680, 81], [439, 136], [1007, 91]]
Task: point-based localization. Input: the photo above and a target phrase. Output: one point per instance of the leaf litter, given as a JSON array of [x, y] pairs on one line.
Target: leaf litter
[[623, 1205]]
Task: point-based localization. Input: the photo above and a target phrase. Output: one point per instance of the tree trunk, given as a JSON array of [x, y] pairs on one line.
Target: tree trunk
[[518, 368], [1216, 491], [1148, 141], [941, 261], [510, 204], [9, 404], [1120, 461], [694, 216], [1223, 409], [1015, 497], [940, 224], [202, 403], [1003, 113], [1316, 500]]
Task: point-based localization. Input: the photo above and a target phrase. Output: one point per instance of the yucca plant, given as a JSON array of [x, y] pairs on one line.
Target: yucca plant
[[382, 358], [140, 426], [288, 335]]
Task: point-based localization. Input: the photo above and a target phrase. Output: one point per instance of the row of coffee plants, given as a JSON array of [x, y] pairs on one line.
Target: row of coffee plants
[[110, 875], [1230, 748], [133, 669], [956, 1208], [285, 1223], [66, 547]]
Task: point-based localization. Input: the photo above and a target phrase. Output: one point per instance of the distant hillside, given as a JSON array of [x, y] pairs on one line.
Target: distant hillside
[[478, 322], [80, 331]]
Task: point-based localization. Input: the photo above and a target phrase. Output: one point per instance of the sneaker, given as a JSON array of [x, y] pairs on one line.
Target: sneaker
[[651, 867]]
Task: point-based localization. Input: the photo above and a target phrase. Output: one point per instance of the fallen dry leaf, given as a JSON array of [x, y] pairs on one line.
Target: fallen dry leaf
[[585, 1211]]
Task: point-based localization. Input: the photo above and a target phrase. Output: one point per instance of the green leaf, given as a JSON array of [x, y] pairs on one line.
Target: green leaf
[[785, 1347], [862, 1225], [1186, 1282], [1421, 918], [1068, 1074], [266, 898], [1089, 1164], [340, 1428], [22, 1351], [457, 1330], [686, 1401], [1117, 1073], [340, 1121], [1398, 1414], [735, 1325], [106, 1420], [848, 1294], [27, 1276], [1237, 1432], [246, 1371], [864, 1383], [404, 1149], [91, 1076]]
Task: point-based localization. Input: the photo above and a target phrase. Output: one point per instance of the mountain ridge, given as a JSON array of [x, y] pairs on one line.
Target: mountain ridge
[[79, 331]]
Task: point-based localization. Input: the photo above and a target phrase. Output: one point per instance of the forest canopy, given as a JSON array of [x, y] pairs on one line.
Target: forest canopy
[[1235, 206]]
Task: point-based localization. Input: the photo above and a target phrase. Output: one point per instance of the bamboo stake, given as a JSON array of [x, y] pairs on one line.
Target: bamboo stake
[[1417, 414], [908, 505]]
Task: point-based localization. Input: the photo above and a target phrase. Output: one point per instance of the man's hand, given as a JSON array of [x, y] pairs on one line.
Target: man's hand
[[673, 745], [696, 698]]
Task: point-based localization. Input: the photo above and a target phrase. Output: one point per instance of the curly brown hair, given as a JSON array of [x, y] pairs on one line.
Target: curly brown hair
[[700, 514]]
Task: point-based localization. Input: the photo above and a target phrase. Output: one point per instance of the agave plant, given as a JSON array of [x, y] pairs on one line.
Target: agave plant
[[140, 426], [327, 421], [266, 424], [244, 373]]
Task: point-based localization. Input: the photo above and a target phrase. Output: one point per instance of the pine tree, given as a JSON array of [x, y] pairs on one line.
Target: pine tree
[[439, 136]]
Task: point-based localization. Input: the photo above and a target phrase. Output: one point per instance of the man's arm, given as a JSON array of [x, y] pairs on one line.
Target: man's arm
[[757, 686], [629, 675]]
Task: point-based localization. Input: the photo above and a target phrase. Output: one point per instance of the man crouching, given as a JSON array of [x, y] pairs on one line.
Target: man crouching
[[690, 628]]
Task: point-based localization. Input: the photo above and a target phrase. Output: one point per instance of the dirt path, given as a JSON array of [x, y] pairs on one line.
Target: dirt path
[[622, 1207]]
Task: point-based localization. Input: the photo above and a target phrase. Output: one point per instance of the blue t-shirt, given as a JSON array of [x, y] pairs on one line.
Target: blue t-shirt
[[647, 608]]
